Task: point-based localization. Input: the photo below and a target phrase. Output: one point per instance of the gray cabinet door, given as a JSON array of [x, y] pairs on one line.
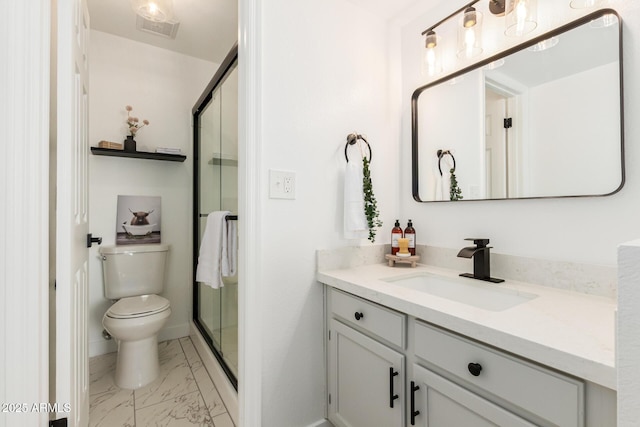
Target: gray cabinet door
[[366, 378], [442, 403]]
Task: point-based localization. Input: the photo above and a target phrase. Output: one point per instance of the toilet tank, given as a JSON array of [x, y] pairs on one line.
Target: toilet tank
[[132, 270]]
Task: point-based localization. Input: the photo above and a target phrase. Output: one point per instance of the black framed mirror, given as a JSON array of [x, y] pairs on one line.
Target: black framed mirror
[[542, 119]]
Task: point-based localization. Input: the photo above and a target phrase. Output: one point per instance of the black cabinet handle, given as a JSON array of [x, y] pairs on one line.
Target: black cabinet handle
[[392, 395], [474, 369], [414, 413], [358, 315]]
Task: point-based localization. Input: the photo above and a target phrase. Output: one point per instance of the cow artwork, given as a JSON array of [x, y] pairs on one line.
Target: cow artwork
[[138, 220]]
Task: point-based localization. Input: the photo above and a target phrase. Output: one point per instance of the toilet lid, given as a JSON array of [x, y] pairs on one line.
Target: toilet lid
[[143, 305]]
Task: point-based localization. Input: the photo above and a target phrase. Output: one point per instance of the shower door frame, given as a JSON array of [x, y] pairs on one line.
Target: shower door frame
[[229, 62]]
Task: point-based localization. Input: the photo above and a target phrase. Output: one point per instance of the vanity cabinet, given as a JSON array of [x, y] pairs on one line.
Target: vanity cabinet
[[388, 369]]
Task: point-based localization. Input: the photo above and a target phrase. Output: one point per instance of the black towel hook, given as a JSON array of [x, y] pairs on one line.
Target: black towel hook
[[352, 138], [441, 154]]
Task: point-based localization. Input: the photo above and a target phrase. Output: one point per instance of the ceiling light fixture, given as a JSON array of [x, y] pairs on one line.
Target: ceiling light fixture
[[521, 17], [154, 10]]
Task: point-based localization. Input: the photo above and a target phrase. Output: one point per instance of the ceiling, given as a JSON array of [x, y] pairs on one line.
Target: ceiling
[[208, 28]]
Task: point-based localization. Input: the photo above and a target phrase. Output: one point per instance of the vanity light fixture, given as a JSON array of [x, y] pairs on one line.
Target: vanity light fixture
[[470, 33], [521, 17], [495, 64], [544, 44], [153, 10], [604, 21], [582, 4], [431, 64]]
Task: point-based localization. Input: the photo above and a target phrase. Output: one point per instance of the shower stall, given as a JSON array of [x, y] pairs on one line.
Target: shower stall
[[215, 138]]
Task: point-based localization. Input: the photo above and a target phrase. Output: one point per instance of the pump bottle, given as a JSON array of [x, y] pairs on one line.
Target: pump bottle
[[396, 233], [410, 233]]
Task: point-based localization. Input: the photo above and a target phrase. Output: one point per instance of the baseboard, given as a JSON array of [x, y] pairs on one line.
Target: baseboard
[[225, 388], [103, 346]]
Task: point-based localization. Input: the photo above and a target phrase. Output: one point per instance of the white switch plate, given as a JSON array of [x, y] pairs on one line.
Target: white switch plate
[[282, 184]]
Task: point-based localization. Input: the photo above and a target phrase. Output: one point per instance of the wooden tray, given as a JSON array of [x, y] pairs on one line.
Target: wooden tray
[[393, 259]]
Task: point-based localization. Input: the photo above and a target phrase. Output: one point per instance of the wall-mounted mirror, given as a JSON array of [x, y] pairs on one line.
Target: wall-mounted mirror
[[543, 119]]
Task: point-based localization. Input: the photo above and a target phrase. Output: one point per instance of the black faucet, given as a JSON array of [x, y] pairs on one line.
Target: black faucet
[[481, 264]]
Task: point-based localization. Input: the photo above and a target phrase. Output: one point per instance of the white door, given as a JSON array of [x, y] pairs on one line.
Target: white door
[[72, 373], [496, 144], [366, 380]]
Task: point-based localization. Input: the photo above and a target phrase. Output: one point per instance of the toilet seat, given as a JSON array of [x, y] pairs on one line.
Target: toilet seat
[[138, 306]]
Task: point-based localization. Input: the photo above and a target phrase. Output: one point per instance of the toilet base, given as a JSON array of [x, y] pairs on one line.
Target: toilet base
[[137, 363]]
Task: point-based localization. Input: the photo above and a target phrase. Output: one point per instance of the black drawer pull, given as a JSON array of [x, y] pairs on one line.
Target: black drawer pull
[[414, 413], [358, 315], [474, 369], [392, 395]]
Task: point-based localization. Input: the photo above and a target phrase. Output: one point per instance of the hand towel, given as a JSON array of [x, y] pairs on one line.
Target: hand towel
[[355, 221], [209, 269]]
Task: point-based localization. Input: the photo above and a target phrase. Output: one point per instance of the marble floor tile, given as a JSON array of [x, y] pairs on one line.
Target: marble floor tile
[[223, 420], [175, 378], [185, 410], [101, 374], [113, 408], [205, 385], [183, 394]]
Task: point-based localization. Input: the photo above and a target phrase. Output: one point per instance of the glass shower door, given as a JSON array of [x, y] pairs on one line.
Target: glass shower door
[[216, 189]]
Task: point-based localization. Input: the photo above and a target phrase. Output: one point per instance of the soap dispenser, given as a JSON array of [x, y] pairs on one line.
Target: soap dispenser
[[410, 233], [396, 233]]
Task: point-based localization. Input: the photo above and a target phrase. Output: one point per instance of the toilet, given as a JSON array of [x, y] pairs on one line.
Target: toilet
[[133, 275]]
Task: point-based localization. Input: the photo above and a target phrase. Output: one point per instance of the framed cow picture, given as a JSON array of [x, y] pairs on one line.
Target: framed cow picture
[[138, 220]]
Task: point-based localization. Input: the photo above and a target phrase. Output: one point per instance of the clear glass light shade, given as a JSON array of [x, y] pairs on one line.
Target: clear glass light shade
[[154, 10], [604, 21], [544, 44], [431, 61], [521, 17], [581, 4], [469, 34]]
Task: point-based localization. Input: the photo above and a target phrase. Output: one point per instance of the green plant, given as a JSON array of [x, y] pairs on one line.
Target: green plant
[[370, 205], [455, 193]]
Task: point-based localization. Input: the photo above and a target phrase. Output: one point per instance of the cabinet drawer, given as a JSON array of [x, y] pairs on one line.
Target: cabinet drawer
[[553, 397], [381, 321]]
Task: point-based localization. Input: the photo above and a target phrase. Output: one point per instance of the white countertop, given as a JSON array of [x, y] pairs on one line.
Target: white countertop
[[569, 331]]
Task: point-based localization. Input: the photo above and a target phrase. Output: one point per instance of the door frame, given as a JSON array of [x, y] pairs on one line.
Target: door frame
[[24, 168]]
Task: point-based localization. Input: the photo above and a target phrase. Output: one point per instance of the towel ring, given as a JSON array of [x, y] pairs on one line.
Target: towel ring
[[352, 138], [441, 154]]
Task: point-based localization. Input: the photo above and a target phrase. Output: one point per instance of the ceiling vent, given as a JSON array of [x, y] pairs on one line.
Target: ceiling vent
[[167, 29]]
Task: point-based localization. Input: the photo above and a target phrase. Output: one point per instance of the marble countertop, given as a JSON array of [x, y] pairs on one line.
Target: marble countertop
[[568, 331]]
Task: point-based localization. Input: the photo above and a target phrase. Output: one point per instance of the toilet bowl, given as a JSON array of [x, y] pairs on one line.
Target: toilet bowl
[[135, 322]]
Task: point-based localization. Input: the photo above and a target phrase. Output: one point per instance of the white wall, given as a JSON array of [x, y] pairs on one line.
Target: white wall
[[162, 87], [326, 72], [585, 230], [583, 140]]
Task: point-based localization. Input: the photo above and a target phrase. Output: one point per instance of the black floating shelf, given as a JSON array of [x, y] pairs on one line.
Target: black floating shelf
[[138, 154]]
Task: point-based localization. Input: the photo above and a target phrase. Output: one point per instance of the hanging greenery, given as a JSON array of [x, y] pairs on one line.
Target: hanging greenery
[[370, 205], [455, 193]]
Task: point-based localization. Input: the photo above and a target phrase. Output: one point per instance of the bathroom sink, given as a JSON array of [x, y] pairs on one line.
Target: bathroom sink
[[476, 293]]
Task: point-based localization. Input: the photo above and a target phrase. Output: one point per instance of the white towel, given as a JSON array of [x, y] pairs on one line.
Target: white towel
[[230, 250], [355, 221], [213, 246]]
